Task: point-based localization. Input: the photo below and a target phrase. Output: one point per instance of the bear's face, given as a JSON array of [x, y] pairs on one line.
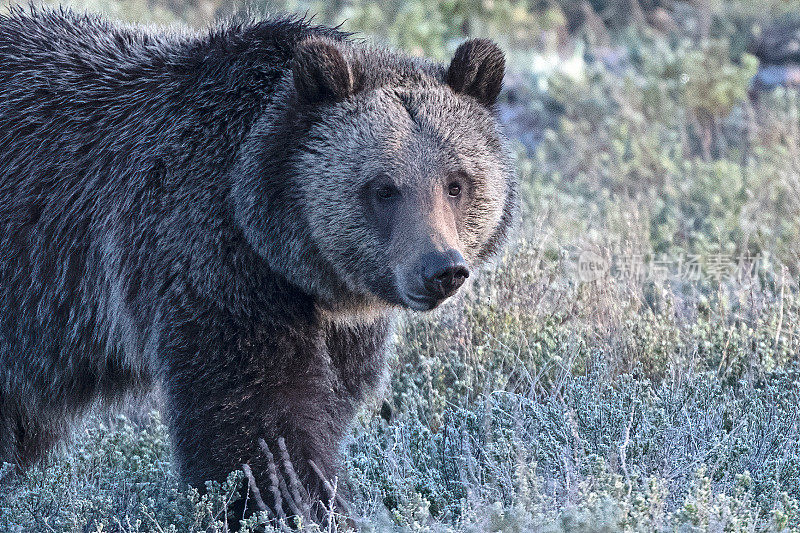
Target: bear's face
[[405, 180]]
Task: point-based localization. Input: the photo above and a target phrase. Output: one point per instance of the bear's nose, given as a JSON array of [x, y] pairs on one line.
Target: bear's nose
[[444, 273]]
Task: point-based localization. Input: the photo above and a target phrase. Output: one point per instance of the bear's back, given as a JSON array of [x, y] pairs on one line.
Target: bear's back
[[106, 133]]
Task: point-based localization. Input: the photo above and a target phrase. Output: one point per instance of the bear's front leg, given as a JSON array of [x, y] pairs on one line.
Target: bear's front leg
[[269, 399]]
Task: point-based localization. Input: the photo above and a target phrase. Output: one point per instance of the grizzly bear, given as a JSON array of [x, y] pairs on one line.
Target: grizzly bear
[[234, 215]]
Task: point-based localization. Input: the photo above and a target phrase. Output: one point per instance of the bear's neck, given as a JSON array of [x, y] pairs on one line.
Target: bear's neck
[[206, 94]]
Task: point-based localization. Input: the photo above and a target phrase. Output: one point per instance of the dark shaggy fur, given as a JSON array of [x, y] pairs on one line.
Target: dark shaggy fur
[[128, 253]]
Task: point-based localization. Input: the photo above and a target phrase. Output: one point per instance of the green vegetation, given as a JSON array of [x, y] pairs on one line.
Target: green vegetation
[[658, 393]]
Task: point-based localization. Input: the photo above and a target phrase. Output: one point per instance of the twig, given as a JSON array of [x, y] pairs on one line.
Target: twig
[[725, 350], [152, 519], [332, 490], [246, 495], [331, 507], [623, 450], [780, 311]]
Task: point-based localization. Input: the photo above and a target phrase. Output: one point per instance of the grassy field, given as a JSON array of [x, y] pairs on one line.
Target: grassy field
[[631, 363]]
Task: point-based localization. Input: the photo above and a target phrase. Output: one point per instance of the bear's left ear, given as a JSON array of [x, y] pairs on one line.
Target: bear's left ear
[[477, 70], [321, 73]]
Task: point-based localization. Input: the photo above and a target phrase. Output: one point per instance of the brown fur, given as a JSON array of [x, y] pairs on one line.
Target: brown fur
[[210, 212]]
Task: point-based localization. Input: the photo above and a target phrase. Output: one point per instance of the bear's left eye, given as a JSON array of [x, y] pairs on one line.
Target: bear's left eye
[[387, 192], [454, 189]]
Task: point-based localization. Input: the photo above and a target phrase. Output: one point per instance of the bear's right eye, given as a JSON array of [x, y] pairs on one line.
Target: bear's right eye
[[387, 192]]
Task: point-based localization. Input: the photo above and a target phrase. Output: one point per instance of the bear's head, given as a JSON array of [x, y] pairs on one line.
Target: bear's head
[[379, 178]]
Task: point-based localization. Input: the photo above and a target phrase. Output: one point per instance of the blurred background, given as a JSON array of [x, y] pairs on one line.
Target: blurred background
[[630, 363]]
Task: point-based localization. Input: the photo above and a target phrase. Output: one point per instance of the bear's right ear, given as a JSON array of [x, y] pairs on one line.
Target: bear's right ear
[[321, 73]]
